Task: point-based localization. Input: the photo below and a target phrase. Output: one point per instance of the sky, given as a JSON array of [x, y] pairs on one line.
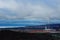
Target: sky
[[29, 12]]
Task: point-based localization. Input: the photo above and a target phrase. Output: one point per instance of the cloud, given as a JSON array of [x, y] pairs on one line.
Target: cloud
[[27, 10], [10, 4]]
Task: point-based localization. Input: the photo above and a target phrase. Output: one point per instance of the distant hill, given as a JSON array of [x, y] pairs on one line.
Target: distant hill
[[51, 26]]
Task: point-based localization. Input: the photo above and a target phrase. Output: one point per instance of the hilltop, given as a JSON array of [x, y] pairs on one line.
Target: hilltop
[[13, 35]]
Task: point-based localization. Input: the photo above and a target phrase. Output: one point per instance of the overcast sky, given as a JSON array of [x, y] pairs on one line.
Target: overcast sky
[[30, 9]]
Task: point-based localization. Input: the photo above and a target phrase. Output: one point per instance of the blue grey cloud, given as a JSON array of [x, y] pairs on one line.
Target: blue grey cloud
[[29, 12], [24, 9]]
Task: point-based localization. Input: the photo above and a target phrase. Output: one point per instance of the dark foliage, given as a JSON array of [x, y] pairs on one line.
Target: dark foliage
[[11, 35]]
